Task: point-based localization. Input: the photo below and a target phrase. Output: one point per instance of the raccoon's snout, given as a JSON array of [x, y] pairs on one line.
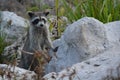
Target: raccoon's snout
[[41, 25]]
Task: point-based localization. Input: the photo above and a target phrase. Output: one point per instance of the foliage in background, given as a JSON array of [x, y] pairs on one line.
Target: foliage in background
[[103, 10], [58, 26], [57, 21], [34, 8], [3, 44], [38, 6]]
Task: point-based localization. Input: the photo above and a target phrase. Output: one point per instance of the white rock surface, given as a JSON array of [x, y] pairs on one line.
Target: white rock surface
[[16, 20], [97, 68], [100, 67], [16, 73], [81, 40], [113, 32], [12, 25]]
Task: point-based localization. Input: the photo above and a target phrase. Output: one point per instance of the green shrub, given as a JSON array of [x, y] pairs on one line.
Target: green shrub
[[3, 44], [44, 7], [59, 24], [103, 10], [34, 8]]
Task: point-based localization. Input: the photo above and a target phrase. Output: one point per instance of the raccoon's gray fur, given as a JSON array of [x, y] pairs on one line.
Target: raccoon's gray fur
[[37, 38]]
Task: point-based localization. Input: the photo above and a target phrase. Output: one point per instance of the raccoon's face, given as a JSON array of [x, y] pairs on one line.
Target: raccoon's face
[[38, 19]]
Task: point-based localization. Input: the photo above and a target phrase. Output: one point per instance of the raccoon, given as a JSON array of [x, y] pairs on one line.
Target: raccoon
[[38, 38]]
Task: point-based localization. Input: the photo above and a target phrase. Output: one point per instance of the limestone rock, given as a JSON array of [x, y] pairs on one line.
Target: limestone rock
[[12, 26], [81, 40], [113, 32], [104, 66]]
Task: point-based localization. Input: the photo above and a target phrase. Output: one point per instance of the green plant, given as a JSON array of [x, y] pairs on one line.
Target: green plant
[[3, 44], [44, 7], [58, 25], [34, 8], [103, 10]]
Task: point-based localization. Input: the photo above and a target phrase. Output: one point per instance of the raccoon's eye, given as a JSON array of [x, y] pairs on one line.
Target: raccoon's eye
[[43, 20], [35, 21]]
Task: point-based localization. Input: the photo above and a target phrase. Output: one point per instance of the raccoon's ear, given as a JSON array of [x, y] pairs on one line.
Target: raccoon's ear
[[30, 14], [46, 13]]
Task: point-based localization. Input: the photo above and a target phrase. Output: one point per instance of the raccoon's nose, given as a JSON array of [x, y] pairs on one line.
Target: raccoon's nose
[[41, 25]]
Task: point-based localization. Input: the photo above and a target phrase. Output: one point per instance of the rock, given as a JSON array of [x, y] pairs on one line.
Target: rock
[[113, 32], [8, 72], [81, 40], [104, 66], [12, 26]]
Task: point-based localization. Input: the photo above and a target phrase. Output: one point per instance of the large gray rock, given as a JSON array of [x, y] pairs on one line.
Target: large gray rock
[[104, 66], [81, 40], [12, 26], [113, 32]]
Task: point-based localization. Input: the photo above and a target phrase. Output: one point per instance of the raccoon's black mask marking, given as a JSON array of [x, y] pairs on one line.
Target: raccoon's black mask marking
[[36, 21], [42, 19]]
